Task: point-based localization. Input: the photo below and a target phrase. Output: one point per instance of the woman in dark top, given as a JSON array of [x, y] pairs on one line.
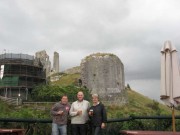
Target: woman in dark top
[[97, 114]]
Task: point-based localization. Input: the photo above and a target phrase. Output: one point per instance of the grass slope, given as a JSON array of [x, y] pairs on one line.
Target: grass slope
[[67, 79], [138, 103]]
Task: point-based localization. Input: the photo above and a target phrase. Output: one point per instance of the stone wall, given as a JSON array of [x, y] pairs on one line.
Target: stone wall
[[44, 58], [103, 73]]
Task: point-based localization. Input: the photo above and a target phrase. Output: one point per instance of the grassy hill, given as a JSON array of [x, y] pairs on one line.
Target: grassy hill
[[138, 103], [67, 79]]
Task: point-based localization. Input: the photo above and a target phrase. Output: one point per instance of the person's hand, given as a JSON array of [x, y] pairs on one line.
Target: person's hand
[[90, 113], [103, 125], [60, 112], [79, 112]]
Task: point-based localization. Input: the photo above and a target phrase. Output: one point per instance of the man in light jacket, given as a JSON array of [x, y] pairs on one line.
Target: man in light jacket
[[79, 115]]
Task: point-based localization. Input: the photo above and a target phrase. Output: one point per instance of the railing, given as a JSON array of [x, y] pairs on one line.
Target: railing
[[43, 126], [28, 72]]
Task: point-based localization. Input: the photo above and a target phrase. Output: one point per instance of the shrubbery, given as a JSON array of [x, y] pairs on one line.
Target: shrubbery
[[54, 92], [48, 93]]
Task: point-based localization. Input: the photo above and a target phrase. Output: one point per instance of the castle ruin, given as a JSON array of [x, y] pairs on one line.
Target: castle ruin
[[56, 62], [44, 58], [103, 73]]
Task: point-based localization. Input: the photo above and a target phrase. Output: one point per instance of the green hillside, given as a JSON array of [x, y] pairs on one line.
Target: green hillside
[[67, 79], [138, 103]]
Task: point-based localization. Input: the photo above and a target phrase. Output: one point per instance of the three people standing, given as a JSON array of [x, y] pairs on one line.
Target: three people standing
[[80, 112]]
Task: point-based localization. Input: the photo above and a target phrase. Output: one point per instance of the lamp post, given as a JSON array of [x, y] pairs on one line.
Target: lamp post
[[19, 99], [6, 92]]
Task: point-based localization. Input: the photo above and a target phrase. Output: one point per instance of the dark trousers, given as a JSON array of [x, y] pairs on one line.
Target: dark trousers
[[79, 129], [96, 130]]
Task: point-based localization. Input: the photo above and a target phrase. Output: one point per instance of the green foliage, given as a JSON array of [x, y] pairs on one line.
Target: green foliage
[[4, 109], [8, 111], [138, 105], [155, 106], [21, 112], [54, 92], [67, 79], [60, 73]]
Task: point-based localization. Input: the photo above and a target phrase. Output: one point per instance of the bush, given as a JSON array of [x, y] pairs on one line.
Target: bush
[[54, 92]]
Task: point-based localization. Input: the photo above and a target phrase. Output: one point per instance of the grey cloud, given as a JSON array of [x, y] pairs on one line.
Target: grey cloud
[[134, 31], [70, 25]]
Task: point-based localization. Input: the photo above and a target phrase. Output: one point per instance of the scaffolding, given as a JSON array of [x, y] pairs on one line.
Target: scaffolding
[[22, 72]]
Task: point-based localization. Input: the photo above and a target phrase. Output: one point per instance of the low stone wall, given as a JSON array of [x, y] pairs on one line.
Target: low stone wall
[[11, 101]]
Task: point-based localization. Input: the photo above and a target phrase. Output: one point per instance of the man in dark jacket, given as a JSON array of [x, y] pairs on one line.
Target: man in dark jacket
[[97, 115], [59, 113]]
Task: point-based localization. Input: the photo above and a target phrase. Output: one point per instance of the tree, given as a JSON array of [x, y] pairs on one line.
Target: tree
[[54, 92], [128, 87]]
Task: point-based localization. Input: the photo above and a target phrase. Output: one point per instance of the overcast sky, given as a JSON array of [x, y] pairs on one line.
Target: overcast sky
[[134, 30]]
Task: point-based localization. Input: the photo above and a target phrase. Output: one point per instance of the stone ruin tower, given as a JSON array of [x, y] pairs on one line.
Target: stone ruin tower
[[44, 58], [56, 62], [103, 73]]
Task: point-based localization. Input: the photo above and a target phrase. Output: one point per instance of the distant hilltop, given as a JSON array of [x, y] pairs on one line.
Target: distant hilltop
[[73, 70]]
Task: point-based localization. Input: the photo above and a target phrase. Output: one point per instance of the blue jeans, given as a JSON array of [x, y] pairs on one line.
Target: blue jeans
[[56, 128]]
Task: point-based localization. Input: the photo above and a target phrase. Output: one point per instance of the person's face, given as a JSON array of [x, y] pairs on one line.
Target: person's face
[[80, 96], [95, 99], [64, 100]]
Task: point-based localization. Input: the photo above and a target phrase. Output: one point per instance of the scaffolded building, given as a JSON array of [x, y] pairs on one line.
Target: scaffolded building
[[19, 74]]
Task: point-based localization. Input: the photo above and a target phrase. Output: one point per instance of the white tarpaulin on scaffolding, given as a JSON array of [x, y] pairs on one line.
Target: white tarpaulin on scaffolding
[[1, 71]]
